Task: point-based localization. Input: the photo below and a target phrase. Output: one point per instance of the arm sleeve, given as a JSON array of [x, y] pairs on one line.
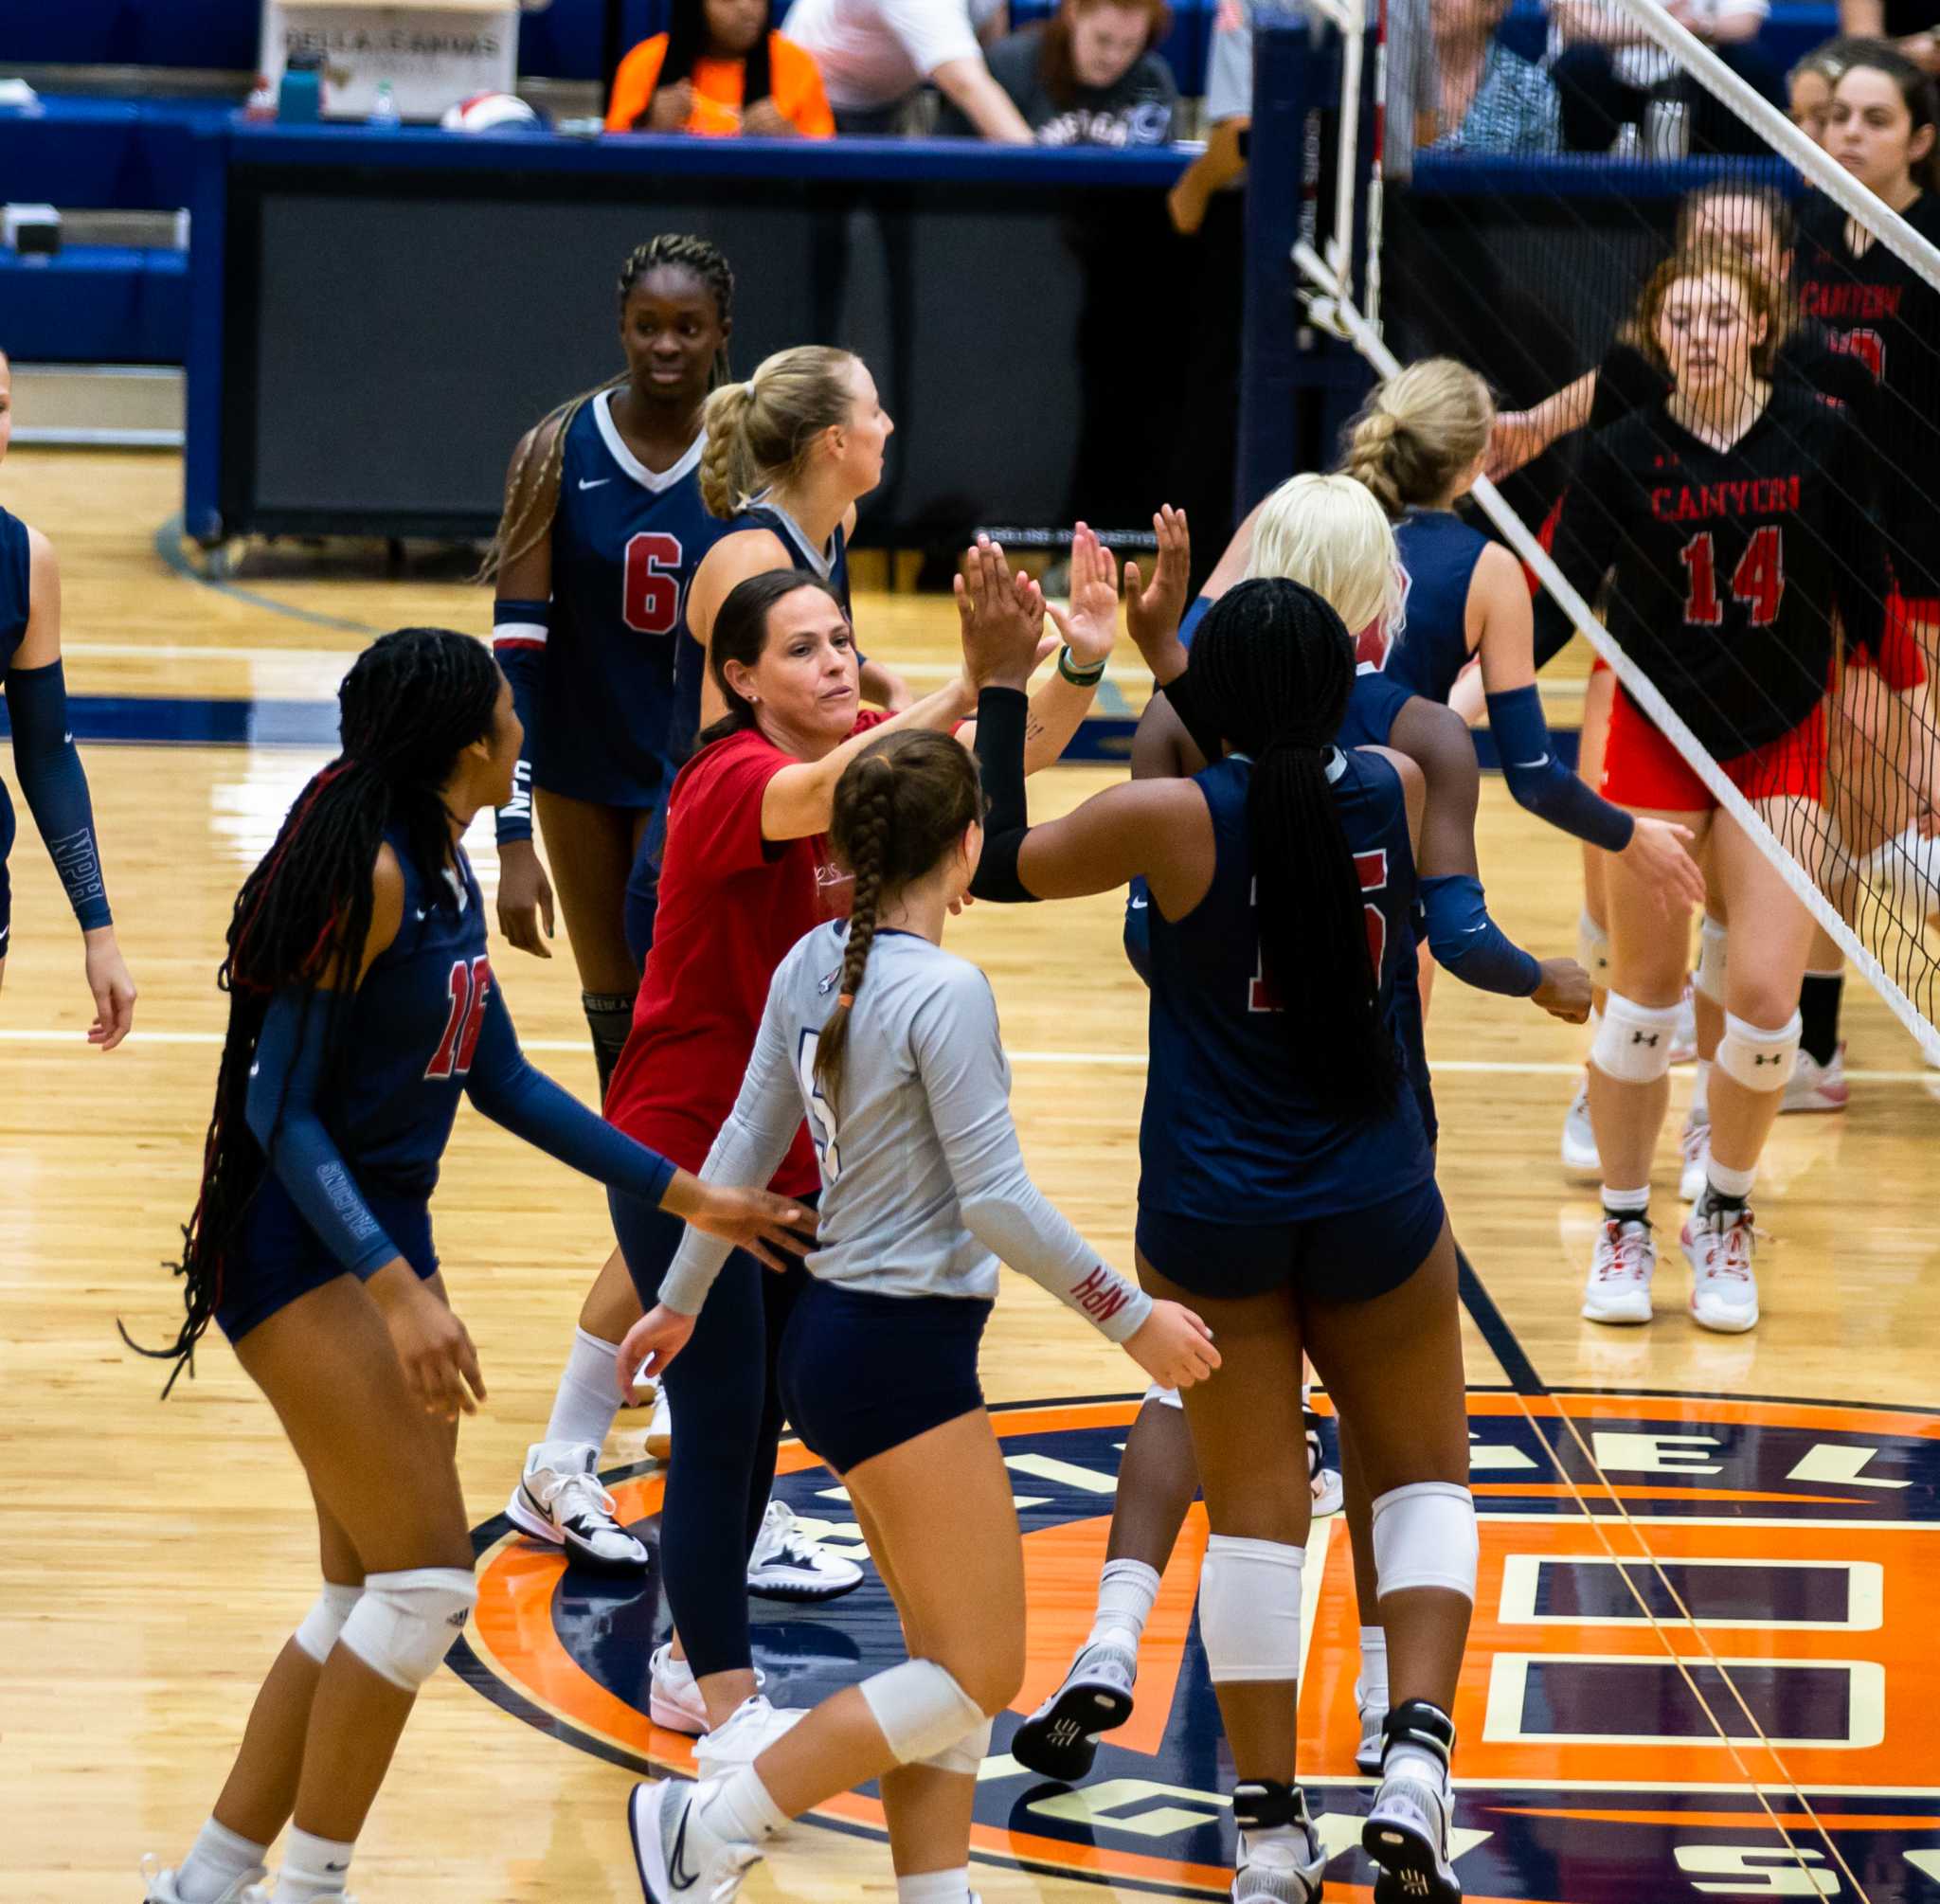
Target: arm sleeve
[[1542, 782], [1185, 704], [1464, 938], [284, 1083], [511, 1092], [961, 1059], [748, 1153], [55, 784], [519, 634], [1002, 715], [1862, 580]]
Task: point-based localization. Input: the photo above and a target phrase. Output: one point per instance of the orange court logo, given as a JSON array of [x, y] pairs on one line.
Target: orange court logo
[[1702, 1666]]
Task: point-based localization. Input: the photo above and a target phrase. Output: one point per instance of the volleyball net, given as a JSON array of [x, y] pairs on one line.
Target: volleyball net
[[1524, 248]]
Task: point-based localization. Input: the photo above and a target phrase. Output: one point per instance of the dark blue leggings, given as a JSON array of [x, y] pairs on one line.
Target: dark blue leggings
[[728, 1414]]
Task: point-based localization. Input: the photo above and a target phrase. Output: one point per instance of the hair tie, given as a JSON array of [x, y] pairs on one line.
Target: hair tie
[[846, 1000]]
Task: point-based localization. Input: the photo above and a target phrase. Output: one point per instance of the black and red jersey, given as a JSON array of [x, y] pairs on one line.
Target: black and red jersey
[[1881, 311], [1725, 566]]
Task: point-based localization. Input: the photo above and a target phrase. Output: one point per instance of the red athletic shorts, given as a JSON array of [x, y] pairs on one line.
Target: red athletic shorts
[[1899, 662], [1641, 769]]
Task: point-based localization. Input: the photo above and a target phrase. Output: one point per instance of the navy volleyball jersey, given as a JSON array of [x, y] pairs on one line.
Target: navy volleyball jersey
[[1230, 1132], [831, 564], [13, 588], [414, 1028], [1879, 309], [625, 545], [1428, 646]]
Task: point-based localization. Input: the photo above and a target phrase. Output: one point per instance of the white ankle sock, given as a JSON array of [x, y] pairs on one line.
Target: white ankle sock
[[740, 1808], [1374, 1666], [215, 1861], [1729, 1182], [1416, 1762], [935, 1887], [588, 1395], [313, 1868], [1127, 1590]]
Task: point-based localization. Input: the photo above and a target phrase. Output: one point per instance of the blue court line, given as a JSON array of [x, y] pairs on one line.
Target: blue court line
[[167, 546]]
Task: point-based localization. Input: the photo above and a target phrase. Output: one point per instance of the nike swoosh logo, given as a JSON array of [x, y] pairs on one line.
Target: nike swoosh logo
[[674, 1864], [422, 915], [1139, 904], [598, 482], [344, 1866], [1541, 760]]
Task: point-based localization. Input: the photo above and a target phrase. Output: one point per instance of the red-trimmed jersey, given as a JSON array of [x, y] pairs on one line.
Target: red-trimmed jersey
[[1879, 310], [732, 905], [1726, 566]]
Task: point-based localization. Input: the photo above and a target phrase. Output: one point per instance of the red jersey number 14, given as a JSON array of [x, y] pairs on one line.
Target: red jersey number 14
[[1758, 581]]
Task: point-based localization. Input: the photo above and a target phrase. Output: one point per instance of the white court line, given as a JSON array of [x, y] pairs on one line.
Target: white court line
[[1107, 1060]]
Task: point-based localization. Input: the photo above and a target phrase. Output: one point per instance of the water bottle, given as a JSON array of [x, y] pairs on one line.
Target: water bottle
[[385, 116], [299, 97]]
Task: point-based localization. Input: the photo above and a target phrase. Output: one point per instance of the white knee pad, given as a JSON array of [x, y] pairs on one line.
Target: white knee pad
[[1593, 950], [403, 1625], [1709, 977], [1758, 1059], [324, 1619], [921, 1711], [1250, 1608], [1633, 1043], [1424, 1536], [967, 1755], [1165, 1397], [1908, 869]]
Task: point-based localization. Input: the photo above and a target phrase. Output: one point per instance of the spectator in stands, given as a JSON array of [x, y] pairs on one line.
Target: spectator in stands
[[1491, 100], [1410, 104], [1088, 76], [1912, 26], [876, 55], [1809, 85], [1608, 71], [720, 69]]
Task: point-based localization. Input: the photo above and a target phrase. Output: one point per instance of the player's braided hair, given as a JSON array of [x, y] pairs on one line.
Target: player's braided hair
[[1417, 432], [740, 632], [1274, 666], [900, 805], [688, 41], [759, 431], [412, 703], [532, 485]]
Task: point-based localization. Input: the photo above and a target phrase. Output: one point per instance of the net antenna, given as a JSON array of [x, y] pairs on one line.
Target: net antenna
[[1912, 992]]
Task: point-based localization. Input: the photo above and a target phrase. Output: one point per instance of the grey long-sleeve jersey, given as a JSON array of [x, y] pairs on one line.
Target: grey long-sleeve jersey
[[924, 1185]]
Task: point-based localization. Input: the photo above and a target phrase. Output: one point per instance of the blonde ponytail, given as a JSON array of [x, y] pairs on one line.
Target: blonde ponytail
[[1417, 432], [1328, 534], [761, 432]]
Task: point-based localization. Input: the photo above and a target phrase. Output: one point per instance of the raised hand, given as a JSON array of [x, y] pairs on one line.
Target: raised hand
[[1002, 615], [1090, 625], [650, 1345], [1155, 609]]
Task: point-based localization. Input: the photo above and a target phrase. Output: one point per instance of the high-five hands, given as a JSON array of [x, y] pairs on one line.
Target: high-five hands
[[1002, 619], [1090, 625], [1155, 609]]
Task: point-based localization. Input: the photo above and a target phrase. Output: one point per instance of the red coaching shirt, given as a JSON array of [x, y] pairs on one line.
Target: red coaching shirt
[[732, 905]]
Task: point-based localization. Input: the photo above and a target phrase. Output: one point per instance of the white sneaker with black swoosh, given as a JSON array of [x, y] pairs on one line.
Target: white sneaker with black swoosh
[[679, 1860]]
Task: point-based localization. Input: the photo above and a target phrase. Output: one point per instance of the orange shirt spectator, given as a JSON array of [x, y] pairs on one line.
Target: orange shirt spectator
[[720, 70]]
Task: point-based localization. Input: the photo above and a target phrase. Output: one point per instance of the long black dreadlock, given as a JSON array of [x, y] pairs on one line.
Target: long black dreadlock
[[1274, 666], [412, 703], [532, 487], [686, 40]]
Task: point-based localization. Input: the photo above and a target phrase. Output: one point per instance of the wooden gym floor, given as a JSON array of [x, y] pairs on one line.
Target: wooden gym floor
[[153, 1558]]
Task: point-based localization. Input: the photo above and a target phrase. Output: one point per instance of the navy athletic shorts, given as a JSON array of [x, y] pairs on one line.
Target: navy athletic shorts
[[279, 1257], [862, 1372], [1350, 1256]]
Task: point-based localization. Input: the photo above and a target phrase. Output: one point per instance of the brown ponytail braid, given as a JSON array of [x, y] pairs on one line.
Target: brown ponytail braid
[[900, 804]]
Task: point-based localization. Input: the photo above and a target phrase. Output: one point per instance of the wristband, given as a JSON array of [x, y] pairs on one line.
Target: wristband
[[1079, 677]]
